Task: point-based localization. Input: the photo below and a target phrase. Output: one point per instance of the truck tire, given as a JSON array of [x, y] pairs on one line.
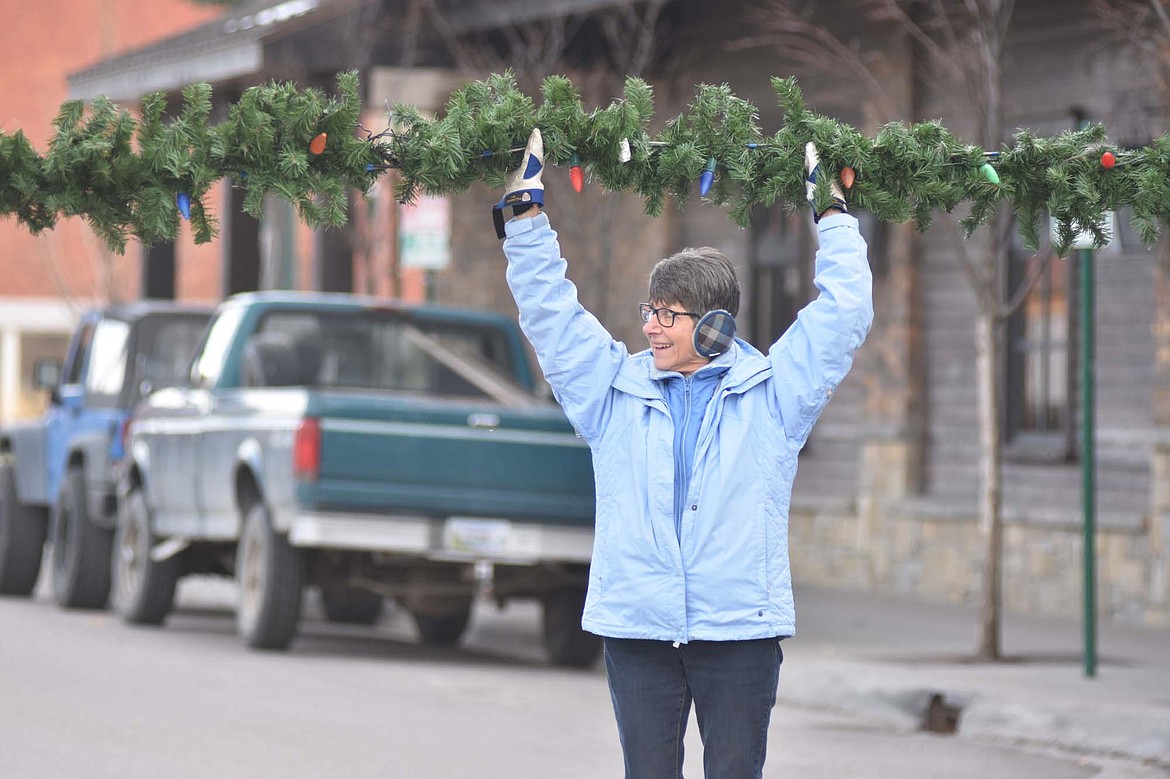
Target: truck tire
[[351, 605], [270, 574], [81, 549], [143, 589], [443, 628], [22, 538], [568, 646]]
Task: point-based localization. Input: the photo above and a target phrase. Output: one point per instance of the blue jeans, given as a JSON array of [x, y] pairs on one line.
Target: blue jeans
[[732, 684]]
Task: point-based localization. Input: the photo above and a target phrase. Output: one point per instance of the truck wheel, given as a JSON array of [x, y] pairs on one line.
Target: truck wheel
[[445, 627], [143, 589], [270, 574], [351, 605], [81, 549], [567, 644], [22, 538]]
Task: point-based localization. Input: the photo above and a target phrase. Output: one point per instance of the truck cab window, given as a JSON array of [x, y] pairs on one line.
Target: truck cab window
[[355, 350], [164, 351], [205, 372], [107, 360]]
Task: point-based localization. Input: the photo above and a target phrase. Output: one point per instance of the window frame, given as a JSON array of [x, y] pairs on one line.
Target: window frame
[[1058, 444], [780, 272]]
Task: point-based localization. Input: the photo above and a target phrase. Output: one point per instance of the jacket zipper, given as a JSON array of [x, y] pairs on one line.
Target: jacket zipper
[[681, 496]]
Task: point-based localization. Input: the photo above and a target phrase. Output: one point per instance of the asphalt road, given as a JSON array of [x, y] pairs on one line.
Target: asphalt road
[[84, 697]]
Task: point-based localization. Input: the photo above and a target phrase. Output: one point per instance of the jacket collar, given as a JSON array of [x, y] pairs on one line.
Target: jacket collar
[[744, 364]]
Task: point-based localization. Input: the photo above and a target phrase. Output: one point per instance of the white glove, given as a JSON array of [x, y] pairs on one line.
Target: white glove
[[812, 164], [523, 187]]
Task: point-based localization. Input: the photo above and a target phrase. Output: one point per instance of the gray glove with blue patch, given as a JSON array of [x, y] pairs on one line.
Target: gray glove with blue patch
[[523, 187], [812, 164]]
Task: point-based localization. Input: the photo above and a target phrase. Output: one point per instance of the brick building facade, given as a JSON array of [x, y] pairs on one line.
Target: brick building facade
[[48, 279]]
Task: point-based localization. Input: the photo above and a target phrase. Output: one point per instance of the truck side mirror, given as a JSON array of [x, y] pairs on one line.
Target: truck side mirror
[[153, 374], [47, 374]]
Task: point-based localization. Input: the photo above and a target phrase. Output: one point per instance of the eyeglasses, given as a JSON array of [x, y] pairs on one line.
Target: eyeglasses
[[665, 316]]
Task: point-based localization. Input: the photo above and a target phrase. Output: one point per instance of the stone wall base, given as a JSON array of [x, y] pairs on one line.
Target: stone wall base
[[880, 542], [938, 559]]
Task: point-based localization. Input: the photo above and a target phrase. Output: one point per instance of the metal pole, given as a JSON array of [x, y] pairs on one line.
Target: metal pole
[[1089, 458]]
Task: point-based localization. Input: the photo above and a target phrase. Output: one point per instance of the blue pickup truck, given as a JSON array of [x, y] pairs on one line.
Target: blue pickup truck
[[369, 450], [57, 473]]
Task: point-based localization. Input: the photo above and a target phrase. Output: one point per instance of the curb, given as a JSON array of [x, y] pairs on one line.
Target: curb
[[1137, 732]]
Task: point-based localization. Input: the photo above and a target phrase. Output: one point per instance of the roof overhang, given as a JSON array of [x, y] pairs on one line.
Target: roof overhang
[[229, 47], [169, 73], [233, 46]]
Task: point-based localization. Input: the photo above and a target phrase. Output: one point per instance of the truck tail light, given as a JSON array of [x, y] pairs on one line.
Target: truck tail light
[[307, 450], [128, 427], [119, 439]]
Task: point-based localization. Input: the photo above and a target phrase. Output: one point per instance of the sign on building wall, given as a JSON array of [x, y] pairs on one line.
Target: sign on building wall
[[424, 232], [1084, 239]]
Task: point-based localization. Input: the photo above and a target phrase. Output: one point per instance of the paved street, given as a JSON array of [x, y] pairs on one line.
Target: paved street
[[84, 697]]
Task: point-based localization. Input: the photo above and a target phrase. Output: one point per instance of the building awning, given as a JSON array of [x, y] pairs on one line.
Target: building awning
[[232, 46], [229, 47]]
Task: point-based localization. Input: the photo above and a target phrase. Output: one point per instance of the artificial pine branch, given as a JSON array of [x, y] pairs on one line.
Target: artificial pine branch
[[92, 169]]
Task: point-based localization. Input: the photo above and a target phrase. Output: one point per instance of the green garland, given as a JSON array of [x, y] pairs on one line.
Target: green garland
[[92, 169]]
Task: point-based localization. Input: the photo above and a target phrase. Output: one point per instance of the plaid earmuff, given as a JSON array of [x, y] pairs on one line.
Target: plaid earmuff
[[714, 333]]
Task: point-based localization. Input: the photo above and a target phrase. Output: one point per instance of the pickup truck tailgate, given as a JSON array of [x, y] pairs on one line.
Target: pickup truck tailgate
[[449, 458]]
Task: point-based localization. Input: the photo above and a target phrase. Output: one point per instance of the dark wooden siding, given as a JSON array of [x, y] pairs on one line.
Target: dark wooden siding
[[1043, 98]]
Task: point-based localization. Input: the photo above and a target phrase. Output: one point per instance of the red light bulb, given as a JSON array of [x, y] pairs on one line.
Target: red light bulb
[[576, 175]]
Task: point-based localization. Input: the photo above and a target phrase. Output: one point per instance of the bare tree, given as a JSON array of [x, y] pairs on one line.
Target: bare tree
[[961, 45], [793, 27], [1144, 24], [597, 225], [109, 277], [105, 269], [47, 245], [530, 49]]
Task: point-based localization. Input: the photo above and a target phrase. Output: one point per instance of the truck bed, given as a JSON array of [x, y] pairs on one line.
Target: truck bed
[[441, 458]]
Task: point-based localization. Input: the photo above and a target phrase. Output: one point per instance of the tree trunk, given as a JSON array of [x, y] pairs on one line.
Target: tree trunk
[[991, 25], [987, 363]]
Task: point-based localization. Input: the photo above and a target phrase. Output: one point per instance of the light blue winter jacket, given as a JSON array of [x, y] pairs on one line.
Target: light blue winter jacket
[[724, 576]]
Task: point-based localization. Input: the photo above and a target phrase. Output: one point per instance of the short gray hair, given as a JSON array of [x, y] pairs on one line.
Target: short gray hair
[[700, 280]]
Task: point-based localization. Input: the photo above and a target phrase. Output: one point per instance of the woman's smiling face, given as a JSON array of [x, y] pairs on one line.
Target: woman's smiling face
[[674, 347]]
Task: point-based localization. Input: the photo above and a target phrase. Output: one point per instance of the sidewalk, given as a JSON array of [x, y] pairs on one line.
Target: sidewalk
[[886, 657]]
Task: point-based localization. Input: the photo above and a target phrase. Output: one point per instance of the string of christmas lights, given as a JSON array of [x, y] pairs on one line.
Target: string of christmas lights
[[310, 149]]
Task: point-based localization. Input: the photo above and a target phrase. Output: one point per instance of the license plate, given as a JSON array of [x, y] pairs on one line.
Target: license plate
[[477, 536]]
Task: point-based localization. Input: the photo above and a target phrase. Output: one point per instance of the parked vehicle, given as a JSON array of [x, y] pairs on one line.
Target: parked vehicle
[[57, 473], [367, 448]]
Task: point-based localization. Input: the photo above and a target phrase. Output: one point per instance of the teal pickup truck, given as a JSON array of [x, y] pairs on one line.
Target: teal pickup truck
[[365, 448]]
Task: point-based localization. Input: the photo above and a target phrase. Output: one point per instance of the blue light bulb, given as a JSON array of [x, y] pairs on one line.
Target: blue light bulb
[[183, 201], [707, 178]]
